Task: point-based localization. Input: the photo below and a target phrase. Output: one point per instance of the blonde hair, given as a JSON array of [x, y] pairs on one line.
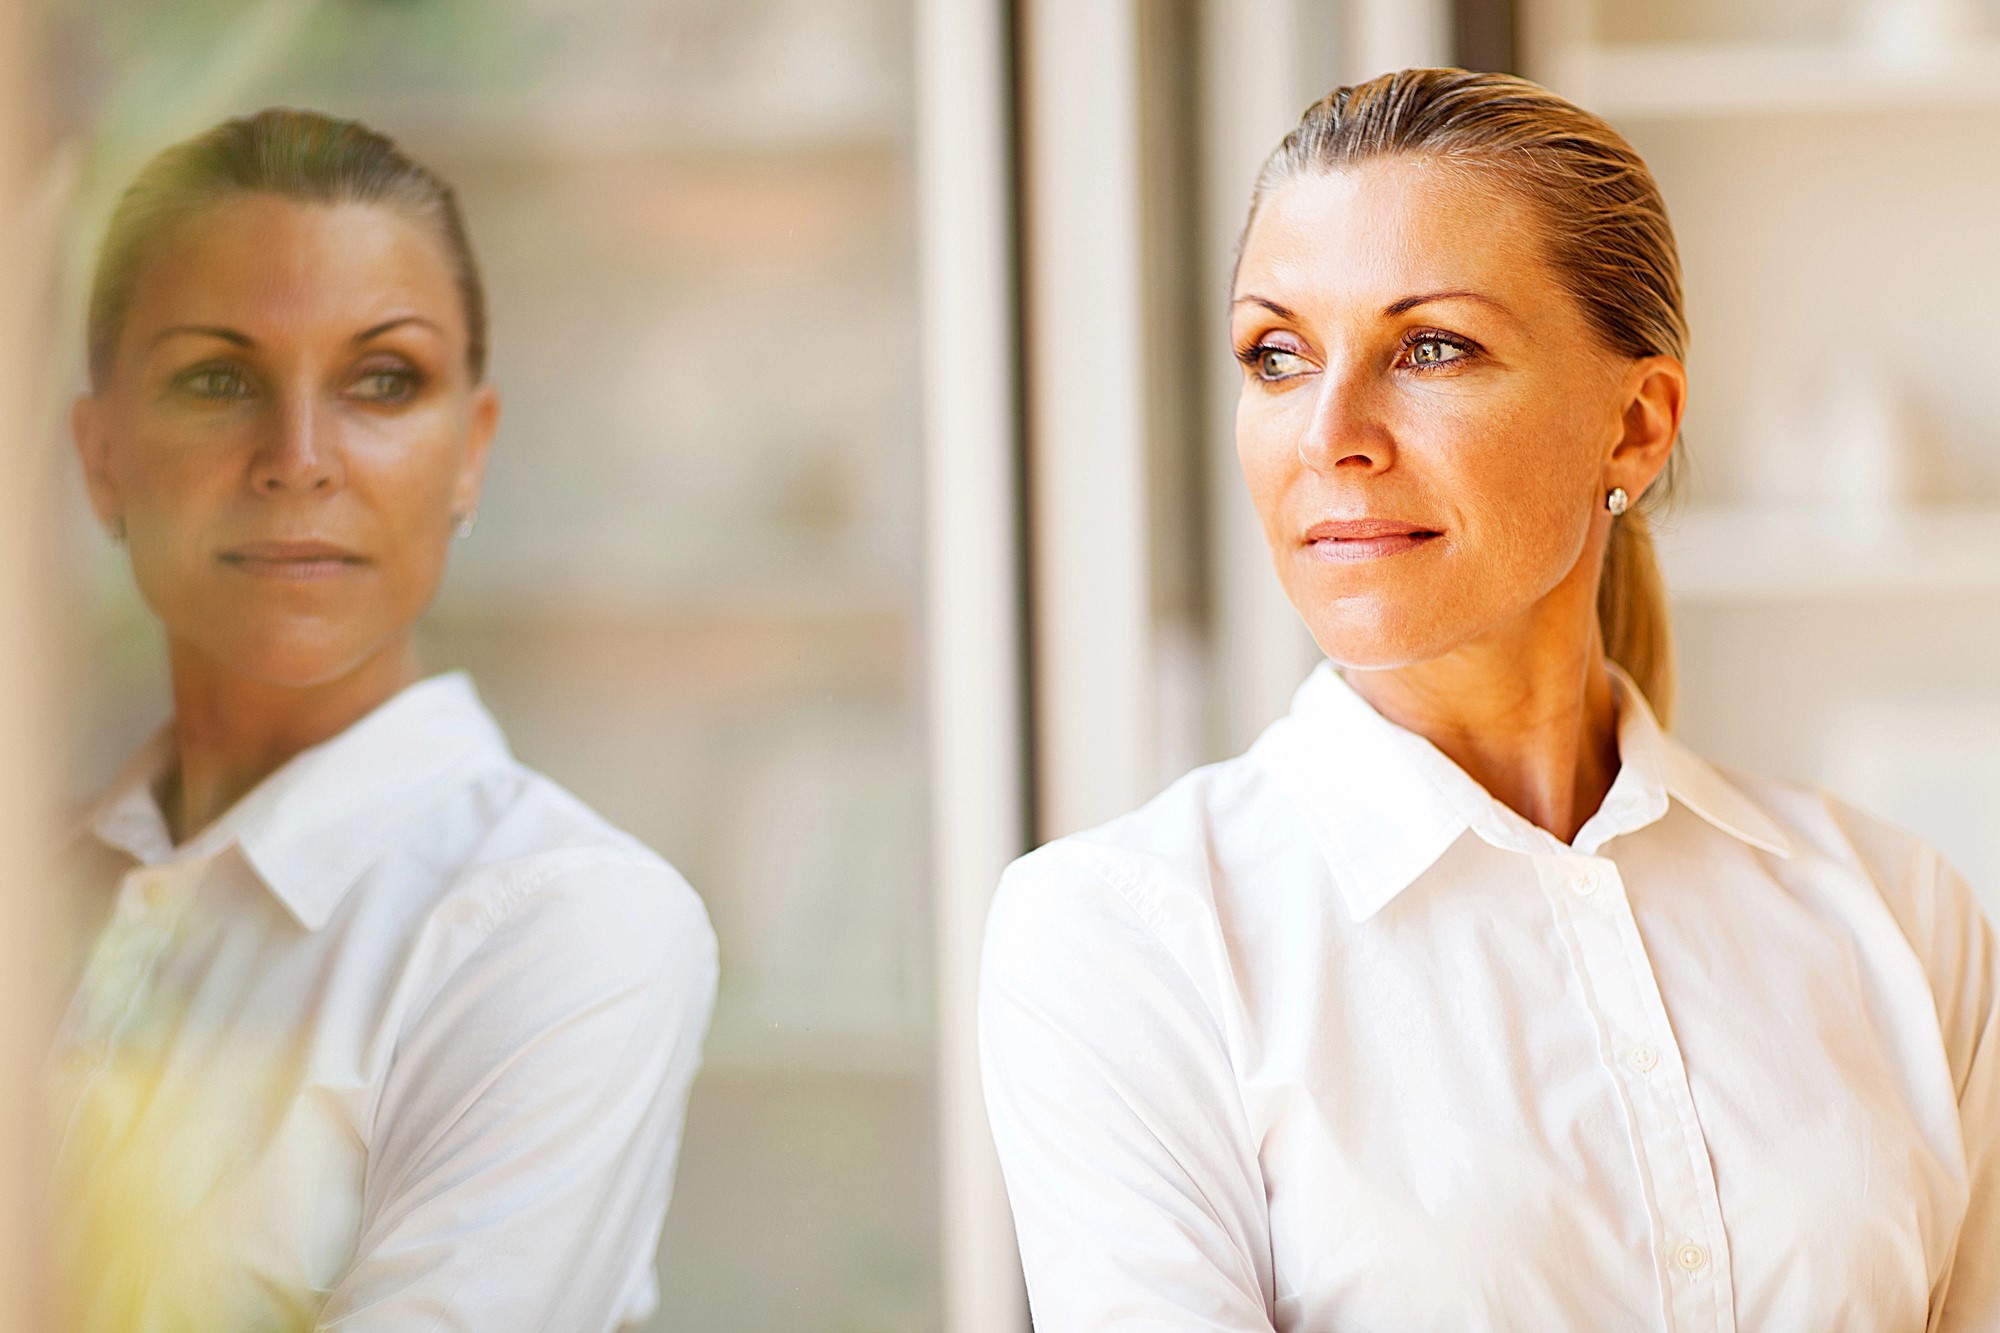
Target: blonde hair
[[1608, 240]]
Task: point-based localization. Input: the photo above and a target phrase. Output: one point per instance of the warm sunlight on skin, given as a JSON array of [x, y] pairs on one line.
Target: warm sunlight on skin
[[288, 428], [1428, 425]]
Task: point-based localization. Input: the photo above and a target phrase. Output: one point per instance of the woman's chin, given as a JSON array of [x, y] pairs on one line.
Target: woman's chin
[[1369, 636], [292, 659]]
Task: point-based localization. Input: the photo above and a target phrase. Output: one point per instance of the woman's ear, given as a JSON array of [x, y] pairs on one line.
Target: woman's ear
[[1656, 398], [480, 426], [93, 447]]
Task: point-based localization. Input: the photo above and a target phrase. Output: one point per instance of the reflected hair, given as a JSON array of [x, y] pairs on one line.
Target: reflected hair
[[1606, 233], [291, 154]]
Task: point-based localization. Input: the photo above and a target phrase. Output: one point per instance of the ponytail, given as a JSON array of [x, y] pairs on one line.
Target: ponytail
[[1632, 612]]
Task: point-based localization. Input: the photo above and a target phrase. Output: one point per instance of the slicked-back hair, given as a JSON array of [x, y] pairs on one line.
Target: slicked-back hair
[[290, 154]]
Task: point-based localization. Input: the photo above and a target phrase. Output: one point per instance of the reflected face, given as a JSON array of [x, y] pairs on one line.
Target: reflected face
[[287, 432], [1426, 417]]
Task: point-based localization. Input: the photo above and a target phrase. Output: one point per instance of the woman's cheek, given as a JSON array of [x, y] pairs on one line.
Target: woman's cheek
[[1269, 464], [1543, 526]]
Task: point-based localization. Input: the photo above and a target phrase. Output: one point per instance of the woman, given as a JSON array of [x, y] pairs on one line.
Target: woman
[[1467, 998], [382, 1030]]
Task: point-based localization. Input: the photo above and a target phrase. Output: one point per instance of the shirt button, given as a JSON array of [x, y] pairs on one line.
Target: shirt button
[[1642, 1058], [1584, 883], [157, 890], [1691, 1257]]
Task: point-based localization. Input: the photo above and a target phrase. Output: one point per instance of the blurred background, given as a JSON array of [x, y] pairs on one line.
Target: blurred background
[[864, 508]]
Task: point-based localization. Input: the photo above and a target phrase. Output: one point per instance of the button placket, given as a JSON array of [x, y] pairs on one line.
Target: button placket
[[121, 968], [1589, 896], [120, 974]]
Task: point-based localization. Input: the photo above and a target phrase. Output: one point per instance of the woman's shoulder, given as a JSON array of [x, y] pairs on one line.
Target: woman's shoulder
[[1823, 827], [550, 920], [522, 857], [1179, 824], [1844, 855], [1833, 840], [1170, 867]]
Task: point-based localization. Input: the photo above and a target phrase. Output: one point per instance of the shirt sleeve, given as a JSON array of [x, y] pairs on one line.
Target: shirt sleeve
[[1961, 953], [1137, 1197], [525, 1141]]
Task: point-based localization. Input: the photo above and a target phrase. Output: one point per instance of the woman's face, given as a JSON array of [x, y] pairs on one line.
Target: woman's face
[[1428, 424], [287, 431]]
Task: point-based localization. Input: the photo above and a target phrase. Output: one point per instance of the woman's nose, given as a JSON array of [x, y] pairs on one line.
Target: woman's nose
[[1348, 427], [300, 451]]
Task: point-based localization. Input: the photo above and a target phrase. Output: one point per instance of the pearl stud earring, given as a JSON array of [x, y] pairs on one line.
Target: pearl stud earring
[[463, 524], [1617, 502]]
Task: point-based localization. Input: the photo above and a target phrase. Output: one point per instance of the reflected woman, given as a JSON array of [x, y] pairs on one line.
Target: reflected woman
[[381, 1029], [1468, 998]]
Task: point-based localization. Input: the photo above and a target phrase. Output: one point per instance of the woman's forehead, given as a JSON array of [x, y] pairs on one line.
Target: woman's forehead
[[262, 261], [1386, 228]]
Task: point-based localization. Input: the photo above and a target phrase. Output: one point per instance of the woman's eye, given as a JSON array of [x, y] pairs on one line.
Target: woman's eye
[[1426, 352], [213, 383], [386, 386], [1276, 363]]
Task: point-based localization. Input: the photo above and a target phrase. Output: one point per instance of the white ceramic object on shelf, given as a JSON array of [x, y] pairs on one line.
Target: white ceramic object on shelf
[[1914, 34], [1843, 439]]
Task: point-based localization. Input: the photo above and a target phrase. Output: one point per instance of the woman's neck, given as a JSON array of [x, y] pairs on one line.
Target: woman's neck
[[1528, 712], [232, 731]]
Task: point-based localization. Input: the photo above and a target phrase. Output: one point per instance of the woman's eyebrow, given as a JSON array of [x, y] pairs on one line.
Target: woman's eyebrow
[[1409, 303], [204, 331], [388, 324], [1402, 307], [1282, 312]]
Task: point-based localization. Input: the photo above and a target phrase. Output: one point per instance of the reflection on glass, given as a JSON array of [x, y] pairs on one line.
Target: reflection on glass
[[690, 594]]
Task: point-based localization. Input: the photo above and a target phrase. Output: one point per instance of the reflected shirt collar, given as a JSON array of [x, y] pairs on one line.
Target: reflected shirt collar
[[313, 827], [1383, 804]]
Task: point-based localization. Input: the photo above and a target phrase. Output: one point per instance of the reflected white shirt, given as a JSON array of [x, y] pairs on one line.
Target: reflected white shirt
[[402, 1042], [1325, 1038]]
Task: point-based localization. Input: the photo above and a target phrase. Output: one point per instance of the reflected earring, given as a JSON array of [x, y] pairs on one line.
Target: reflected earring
[[1617, 502], [463, 525], [117, 529]]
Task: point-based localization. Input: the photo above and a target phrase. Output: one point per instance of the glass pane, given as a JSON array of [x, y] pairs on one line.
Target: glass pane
[[690, 597]]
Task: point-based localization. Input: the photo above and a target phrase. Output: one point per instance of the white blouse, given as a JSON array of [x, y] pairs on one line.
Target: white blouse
[[400, 1044], [1325, 1038]]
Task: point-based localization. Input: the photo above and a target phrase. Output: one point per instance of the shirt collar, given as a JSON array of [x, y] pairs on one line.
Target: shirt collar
[[313, 827], [1383, 804]]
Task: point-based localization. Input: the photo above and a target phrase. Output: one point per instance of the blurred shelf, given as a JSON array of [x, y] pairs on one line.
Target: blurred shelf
[[1694, 80], [705, 654], [665, 604], [1741, 555], [745, 1050], [621, 124]]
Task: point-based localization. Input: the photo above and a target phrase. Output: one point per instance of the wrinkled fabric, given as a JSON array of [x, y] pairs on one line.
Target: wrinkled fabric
[[402, 1042], [1326, 1038]]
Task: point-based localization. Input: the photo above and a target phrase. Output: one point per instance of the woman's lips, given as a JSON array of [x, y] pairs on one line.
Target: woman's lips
[[292, 561], [1366, 538]]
